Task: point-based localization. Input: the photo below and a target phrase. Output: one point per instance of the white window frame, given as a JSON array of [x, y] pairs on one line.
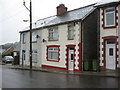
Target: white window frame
[[23, 38], [53, 50], [34, 53], [71, 28], [34, 38], [53, 34], [105, 15]]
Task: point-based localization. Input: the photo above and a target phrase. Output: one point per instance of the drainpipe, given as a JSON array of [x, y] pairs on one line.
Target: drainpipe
[[81, 46]]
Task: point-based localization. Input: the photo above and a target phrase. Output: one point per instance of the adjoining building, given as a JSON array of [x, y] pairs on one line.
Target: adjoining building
[[109, 32], [86, 38], [62, 41]]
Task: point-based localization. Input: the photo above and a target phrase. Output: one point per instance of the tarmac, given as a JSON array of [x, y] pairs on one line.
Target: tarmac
[[106, 73]]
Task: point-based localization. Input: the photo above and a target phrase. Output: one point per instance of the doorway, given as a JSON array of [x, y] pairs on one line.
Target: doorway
[[110, 54], [71, 58]]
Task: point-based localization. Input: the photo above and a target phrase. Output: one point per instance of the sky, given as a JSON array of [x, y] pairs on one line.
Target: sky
[[13, 13]]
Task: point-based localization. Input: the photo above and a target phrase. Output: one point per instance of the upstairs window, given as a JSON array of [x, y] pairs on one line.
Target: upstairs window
[[71, 31], [34, 38], [109, 15], [53, 34], [23, 38]]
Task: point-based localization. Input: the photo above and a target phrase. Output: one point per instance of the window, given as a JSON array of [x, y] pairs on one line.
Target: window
[[34, 56], [53, 34], [109, 17], [34, 38], [53, 53], [23, 38], [23, 54], [111, 51], [71, 32]]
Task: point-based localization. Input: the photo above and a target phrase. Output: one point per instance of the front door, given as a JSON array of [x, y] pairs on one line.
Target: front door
[[71, 58], [110, 55]]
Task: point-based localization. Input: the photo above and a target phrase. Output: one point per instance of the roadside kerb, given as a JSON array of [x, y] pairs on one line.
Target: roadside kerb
[[103, 74]]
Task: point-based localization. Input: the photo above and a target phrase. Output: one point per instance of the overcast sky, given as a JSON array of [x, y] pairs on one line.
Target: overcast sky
[[13, 13]]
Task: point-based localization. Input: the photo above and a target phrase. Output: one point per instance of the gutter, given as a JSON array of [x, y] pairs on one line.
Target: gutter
[[77, 20]]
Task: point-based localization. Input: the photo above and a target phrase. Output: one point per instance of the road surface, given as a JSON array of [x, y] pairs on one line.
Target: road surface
[[13, 78]]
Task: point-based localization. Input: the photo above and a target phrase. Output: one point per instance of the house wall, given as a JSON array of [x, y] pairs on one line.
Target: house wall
[[62, 42], [106, 32], [90, 37], [36, 46], [119, 32]]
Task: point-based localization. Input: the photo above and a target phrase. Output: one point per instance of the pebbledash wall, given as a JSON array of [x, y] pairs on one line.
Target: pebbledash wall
[[62, 43], [36, 46], [109, 33]]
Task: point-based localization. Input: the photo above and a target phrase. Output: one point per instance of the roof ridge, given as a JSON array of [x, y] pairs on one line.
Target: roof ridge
[[69, 11], [83, 7]]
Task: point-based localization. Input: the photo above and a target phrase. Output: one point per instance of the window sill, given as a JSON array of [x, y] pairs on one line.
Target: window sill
[[52, 40], [106, 27], [23, 43], [34, 62], [34, 42], [70, 39], [53, 60]]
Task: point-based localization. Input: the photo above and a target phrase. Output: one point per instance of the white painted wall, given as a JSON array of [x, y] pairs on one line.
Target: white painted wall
[[106, 32], [62, 30], [35, 46], [119, 31]]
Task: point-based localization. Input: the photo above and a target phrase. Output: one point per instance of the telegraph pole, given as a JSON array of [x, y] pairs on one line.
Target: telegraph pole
[[30, 34], [30, 10]]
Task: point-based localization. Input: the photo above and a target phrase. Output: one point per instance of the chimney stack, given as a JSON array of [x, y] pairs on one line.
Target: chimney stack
[[61, 9]]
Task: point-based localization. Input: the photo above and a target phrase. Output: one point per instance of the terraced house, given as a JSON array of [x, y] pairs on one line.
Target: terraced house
[[109, 34], [86, 38], [62, 41]]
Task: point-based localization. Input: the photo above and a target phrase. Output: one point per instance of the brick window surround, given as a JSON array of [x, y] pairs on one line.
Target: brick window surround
[[115, 17], [58, 46]]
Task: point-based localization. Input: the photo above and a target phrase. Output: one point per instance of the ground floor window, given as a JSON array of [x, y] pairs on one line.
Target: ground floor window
[[53, 53], [34, 56]]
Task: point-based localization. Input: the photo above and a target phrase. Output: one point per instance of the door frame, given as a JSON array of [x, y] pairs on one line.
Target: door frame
[[104, 50], [67, 56], [108, 59]]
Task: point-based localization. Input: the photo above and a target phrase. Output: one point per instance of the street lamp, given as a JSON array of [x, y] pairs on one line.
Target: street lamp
[[30, 10]]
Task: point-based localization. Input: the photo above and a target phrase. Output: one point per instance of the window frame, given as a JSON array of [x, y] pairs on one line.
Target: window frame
[[34, 34], [34, 52], [53, 32], [23, 38], [47, 56], [73, 30], [104, 17]]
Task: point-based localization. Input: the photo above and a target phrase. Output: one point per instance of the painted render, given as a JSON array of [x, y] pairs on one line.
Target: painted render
[[119, 32], [62, 41], [109, 32]]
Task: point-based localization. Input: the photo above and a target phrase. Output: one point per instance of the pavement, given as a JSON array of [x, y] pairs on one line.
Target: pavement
[[107, 73]]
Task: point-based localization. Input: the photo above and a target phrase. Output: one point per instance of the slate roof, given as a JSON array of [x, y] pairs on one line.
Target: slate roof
[[17, 49], [104, 2], [73, 15]]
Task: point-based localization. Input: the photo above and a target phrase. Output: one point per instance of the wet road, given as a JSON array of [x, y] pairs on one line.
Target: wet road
[[12, 78]]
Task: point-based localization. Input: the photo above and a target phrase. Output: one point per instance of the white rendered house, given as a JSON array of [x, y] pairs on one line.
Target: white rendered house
[[62, 41]]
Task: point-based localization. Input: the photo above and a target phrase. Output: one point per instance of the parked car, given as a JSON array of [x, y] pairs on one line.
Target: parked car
[[8, 59]]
